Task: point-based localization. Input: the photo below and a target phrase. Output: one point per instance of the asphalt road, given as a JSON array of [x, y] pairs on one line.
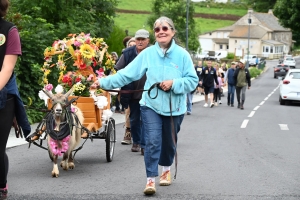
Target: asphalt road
[[223, 153]]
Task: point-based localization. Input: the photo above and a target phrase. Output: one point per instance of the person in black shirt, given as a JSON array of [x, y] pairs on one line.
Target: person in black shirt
[[208, 77]]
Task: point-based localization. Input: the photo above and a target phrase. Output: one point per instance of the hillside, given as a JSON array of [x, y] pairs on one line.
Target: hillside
[[132, 17]]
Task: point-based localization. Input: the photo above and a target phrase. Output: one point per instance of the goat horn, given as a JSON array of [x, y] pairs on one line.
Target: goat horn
[[69, 92], [50, 95]]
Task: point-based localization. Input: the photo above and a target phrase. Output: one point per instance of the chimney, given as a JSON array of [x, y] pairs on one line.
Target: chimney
[[270, 12]]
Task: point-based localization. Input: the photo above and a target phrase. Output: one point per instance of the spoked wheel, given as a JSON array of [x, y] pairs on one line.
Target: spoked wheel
[[110, 139]]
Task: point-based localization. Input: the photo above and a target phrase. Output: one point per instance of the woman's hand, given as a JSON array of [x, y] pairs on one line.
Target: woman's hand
[[95, 85], [166, 85]]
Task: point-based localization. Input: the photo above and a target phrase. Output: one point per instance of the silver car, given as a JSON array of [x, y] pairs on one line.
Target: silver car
[[289, 87]]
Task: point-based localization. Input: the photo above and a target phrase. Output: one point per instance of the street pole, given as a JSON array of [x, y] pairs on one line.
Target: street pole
[[249, 22], [187, 25]]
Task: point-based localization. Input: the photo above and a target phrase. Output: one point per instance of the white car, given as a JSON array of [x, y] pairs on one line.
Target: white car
[[289, 87], [289, 61], [202, 55]]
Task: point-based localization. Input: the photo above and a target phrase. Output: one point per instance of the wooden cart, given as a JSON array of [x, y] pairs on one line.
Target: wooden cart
[[92, 125]]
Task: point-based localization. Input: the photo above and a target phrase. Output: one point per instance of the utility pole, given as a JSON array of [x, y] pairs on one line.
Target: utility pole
[[249, 22]]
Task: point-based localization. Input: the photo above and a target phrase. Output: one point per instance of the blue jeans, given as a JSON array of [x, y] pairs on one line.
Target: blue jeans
[[231, 91], [135, 122], [189, 101], [160, 148]]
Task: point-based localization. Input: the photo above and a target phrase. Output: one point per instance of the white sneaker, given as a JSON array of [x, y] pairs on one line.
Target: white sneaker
[[220, 102], [205, 105], [212, 105]]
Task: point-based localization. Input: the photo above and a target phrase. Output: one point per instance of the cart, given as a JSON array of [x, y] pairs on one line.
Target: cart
[[93, 126]]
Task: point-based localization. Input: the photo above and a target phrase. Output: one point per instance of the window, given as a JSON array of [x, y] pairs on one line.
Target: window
[[235, 41], [295, 75], [227, 47], [221, 46], [271, 49]]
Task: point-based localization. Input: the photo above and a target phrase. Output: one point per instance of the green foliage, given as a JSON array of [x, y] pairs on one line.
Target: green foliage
[[230, 56], [288, 12], [39, 24], [220, 8], [115, 40], [176, 10], [261, 5], [254, 72]]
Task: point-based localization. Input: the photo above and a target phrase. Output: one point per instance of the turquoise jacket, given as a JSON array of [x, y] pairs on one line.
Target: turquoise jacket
[[176, 64]]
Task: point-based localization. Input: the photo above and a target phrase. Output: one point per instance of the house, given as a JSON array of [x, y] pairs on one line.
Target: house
[[263, 36]]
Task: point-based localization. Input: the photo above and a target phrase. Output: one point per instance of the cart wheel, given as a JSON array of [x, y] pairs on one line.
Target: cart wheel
[[110, 139]]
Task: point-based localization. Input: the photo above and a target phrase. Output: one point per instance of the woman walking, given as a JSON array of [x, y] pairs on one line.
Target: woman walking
[[171, 66], [11, 104]]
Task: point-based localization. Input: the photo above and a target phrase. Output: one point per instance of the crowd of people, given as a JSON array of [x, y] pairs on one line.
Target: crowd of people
[[213, 77], [152, 121]]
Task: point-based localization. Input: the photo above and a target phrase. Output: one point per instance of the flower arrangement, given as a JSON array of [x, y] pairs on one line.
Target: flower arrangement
[[77, 60], [81, 83]]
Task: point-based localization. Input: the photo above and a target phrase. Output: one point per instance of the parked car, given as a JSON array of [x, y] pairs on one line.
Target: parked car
[[202, 55], [253, 59], [289, 88], [282, 58], [221, 54], [280, 70], [290, 62]]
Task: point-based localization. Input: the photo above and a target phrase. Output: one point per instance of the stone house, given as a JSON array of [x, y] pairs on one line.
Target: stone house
[[264, 37]]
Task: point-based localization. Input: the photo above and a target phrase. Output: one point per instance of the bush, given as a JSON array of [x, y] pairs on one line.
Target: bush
[[230, 56], [254, 72]]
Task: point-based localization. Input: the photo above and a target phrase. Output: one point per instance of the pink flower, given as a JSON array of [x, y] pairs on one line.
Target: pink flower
[[91, 76], [100, 72], [48, 87]]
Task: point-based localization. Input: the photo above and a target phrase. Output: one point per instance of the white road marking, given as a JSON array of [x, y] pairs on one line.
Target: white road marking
[[266, 98], [262, 103], [251, 114], [283, 127], [244, 124], [257, 107]]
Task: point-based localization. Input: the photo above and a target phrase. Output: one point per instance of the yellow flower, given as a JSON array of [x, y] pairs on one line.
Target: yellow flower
[[61, 75], [87, 51]]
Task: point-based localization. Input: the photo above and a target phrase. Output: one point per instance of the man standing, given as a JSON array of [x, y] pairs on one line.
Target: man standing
[[132, 100], [230, 84], [208, 78], [242, 78]]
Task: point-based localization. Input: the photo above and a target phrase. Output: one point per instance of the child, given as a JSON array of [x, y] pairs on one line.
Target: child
[[217, 89]]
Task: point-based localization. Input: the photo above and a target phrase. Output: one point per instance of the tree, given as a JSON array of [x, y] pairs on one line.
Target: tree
[[288, 12], [261, 5], [40, 23], [176, 10], [72, 16]]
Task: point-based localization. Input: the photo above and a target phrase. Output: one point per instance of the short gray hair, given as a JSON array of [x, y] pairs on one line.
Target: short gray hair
[[165, 19]]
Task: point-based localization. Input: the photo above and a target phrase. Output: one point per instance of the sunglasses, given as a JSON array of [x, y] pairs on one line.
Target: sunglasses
[[164, 28]]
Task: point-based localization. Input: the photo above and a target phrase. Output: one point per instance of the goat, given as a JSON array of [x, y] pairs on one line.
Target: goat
[[64, 130]]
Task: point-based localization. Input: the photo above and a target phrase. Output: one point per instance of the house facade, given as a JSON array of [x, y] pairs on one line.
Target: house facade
[[263, 36]]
